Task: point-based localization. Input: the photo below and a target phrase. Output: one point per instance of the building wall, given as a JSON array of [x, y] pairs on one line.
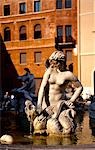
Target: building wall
[[45, 44], [86, 42], [69, 17], [48, 18]]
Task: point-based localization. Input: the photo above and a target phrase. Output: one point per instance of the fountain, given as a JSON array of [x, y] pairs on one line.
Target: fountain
[[57, 117], [55, 109]]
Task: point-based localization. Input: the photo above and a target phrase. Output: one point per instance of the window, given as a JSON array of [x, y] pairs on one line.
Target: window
[[69, 61], [68, 55], [22, 58], [37, 57], [60, 33], [68, 4], [22, 8], [36, 5], [37, 31], [58, 4], [7, 34], [6, 10], [68, 33], [22, 33]]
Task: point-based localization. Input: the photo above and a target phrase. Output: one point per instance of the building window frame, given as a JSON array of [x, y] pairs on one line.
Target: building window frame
[[37, 57], [37, 5], [23, 58], [7, 34], [69, 55], [69, 59], [68, 3], [68, 33], [7, 10], [22, 8], [59, 4], [60, 33], [37, 31], [22, 33]]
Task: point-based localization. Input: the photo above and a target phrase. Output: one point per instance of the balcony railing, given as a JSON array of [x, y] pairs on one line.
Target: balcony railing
[[68, 43]]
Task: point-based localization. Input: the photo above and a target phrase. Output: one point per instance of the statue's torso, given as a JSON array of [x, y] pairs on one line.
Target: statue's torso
[[57, 85]]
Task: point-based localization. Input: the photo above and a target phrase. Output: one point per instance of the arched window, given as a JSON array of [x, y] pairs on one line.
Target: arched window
[[37, 31], [7, 34], [22, 33]]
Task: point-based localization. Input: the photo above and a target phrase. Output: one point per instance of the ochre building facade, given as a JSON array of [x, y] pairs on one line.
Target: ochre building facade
[[28, 29]]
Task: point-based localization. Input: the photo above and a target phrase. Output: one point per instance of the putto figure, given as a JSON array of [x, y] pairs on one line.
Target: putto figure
[[56, 113]]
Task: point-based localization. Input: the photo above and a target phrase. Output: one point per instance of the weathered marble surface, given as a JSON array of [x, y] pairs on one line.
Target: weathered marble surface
[[59, 90]]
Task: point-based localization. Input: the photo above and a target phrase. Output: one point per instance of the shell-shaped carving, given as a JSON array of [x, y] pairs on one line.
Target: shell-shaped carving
[[53, 126], [30, 110], [66, 121], [39, 123], [6, 139]]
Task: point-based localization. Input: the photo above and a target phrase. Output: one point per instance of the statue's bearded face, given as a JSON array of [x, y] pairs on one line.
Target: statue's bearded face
[[58, 60]]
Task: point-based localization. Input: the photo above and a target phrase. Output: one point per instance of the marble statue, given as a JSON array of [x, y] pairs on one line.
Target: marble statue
[[54, 107]]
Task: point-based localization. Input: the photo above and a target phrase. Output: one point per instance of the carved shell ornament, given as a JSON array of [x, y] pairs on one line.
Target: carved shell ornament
[[64, 125], [53, 126], [40, 124], [66, 120], [30, 110]]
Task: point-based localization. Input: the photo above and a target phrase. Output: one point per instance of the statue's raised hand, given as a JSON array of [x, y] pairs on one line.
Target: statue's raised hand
[[69, 104]]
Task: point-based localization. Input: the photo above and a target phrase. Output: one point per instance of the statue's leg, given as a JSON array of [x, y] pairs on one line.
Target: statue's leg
[[58, 108]]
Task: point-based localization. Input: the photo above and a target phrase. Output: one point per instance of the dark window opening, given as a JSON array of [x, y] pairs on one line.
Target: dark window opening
[[36, 6], [68, 33], [68, 4], [60, 34], [7, 34], [6, 10], [69, 59], [22, 33], [22, 58], [37, 31], [22, 8], [37, 57], [58, 4]]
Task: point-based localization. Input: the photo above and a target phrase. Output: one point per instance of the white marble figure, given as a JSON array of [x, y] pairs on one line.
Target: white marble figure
[[63, 125], [30, 110], [55, 116]]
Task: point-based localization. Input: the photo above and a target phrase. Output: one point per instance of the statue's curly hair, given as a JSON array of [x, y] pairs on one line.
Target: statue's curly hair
[[58, 56]]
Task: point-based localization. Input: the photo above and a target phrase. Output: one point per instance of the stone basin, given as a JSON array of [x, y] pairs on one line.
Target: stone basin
[[83, 137]]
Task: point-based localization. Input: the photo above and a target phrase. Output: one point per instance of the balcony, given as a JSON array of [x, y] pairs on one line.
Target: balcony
[[68, 43]]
